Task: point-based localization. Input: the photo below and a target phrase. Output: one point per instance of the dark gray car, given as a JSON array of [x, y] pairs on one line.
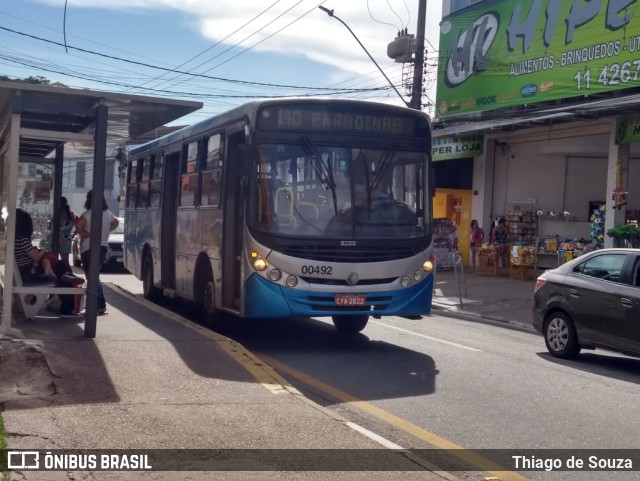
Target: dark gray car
[[592, 301]]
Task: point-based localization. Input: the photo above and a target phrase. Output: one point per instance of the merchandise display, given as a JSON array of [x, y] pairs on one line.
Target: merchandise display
[[522, 225], [445, 242], [562, 250], [597, 226], [491, 258]]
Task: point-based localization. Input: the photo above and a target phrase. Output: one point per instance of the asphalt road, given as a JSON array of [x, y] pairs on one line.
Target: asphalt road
[[444, 382]]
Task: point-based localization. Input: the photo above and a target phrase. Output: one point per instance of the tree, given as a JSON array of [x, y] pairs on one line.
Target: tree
[[38, 80]]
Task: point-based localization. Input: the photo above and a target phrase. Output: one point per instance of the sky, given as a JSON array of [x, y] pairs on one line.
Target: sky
[[229, 51]]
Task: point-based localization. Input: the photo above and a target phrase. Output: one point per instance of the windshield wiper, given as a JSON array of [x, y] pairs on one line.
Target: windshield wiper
[[385, 161], [325, 173]]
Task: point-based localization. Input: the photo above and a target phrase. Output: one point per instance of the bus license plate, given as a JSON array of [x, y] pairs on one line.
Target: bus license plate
[[350, 300]]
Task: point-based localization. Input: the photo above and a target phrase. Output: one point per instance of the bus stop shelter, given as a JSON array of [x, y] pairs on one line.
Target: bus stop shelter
[[39, 124]]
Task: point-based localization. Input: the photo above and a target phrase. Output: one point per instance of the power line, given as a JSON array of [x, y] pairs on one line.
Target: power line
[[215, 44], [268, 37], [401, 22], [143, 64], [196, 95], [378, 21]]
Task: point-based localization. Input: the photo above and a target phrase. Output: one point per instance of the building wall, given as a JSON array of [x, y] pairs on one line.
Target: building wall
[[75, 187], [562, 170]]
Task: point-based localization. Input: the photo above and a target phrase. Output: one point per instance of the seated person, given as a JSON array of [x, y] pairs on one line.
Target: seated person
[[37, 266]]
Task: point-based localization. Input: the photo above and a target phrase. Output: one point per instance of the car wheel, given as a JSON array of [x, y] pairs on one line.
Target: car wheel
[[151, 292], [560, 336], [350, 324]]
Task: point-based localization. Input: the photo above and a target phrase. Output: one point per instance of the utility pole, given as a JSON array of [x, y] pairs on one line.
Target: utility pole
[[416, 91]]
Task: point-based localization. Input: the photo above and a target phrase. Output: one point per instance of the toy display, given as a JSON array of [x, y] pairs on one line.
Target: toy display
[[597, 227], [523, 258], [445, 242]]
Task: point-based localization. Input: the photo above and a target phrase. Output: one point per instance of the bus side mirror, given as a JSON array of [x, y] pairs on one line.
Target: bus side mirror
[[432, 182]]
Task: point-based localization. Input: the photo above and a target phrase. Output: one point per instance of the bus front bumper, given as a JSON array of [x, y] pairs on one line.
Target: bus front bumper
[[267, 299]]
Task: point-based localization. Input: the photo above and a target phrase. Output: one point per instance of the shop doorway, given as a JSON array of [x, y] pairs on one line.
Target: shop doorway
[[455, 205]]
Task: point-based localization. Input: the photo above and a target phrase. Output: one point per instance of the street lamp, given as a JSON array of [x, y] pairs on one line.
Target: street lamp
[[330, 13]]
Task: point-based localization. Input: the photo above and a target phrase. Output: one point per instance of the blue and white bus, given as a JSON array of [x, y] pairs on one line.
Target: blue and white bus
[[287, 207]]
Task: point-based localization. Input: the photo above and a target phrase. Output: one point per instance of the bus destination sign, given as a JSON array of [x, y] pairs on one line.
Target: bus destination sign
[[310, 119]]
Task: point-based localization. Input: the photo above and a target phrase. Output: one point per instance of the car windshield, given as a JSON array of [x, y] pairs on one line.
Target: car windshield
[[309, 190]]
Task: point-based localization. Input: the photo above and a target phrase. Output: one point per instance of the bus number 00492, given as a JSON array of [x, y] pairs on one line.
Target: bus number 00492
[[322, 270]]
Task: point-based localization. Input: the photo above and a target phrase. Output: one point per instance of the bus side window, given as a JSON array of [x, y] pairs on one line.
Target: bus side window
[[155, 185], [212, 172], [132, 184], [143, 186], [189, 178]]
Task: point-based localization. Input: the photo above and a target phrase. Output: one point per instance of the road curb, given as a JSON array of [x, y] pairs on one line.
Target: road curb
[[448, 311]]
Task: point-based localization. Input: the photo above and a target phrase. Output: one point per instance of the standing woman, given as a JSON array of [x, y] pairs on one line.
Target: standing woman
[[477, 236], [67, 223], [83, 226]]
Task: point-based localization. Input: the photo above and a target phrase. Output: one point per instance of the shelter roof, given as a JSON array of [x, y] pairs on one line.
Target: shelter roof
[[61, 109]]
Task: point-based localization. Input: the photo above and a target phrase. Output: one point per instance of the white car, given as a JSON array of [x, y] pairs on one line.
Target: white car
[[115, 252]]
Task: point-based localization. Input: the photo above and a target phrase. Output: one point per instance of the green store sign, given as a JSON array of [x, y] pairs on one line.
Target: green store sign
[[505, 53], [628, 129], [457, 147]]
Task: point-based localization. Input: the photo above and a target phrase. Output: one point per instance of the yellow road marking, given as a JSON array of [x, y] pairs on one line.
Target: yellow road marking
[[480, 462], [270, 379]]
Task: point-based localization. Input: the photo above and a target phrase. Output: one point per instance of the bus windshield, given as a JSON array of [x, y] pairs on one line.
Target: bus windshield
[[307, 190]]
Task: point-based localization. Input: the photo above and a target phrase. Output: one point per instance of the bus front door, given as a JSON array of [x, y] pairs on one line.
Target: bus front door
[[232, 228], [169, 228]]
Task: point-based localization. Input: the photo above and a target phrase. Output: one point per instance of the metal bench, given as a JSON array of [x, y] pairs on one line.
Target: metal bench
[[33, 297]]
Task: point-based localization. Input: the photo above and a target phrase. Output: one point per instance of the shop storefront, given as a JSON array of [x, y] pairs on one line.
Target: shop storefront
[[561, 157], [452, 205]]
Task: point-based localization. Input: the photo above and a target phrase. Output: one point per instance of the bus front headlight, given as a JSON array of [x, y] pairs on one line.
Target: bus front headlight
[[418, 275], [260, 264], [405, 281], [257, 262], [275, 274], [427, 266], [292, 281]]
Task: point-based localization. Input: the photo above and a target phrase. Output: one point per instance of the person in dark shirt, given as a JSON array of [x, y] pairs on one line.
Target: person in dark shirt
[[29, 260], [500, 240], [35, 265]]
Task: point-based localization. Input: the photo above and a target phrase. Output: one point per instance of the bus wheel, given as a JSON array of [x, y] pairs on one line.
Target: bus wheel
[[350, 324], [211, 316], [150, 291]]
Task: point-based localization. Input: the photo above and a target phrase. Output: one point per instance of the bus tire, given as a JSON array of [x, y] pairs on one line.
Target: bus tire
[[151, 292], [205, 297], [350, 324]]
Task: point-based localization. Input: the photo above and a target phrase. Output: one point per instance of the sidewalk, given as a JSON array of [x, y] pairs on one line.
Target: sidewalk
[[498, 298], [152, 380]]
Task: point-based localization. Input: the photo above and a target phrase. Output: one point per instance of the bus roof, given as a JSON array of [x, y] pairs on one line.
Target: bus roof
[[249, 110]]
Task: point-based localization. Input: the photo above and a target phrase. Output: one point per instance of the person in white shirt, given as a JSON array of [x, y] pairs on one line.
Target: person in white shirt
[[83, 227]]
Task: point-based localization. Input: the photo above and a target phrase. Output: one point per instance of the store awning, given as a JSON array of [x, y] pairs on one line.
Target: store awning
[[552, 115]]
